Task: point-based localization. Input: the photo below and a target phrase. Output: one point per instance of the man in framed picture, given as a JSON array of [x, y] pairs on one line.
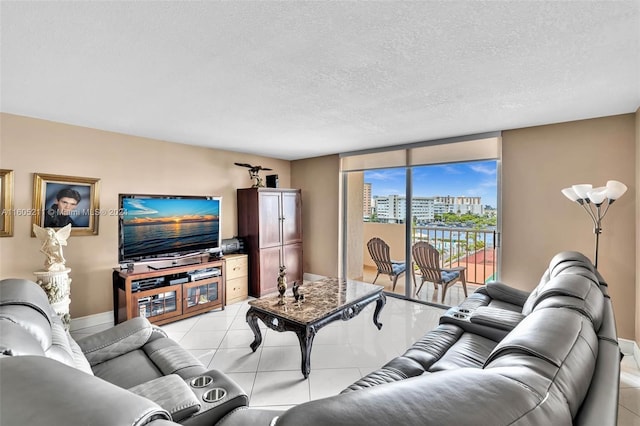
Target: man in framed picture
[[59, 214]]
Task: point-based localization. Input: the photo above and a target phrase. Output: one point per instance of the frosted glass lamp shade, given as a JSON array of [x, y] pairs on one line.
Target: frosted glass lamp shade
[[597, 196], [582, 190], [615, 189], [570, 194]]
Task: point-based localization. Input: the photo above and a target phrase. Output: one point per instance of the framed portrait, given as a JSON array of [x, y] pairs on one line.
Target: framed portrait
[[6, 203], [62, 200]]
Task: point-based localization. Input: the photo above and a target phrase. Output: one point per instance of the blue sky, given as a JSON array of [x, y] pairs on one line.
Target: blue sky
[[167, 207], [474, 179]]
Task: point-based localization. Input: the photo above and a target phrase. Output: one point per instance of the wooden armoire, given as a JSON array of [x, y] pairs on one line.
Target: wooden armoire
[[270, 222]]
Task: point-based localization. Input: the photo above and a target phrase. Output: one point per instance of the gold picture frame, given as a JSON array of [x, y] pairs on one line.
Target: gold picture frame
[[6, 202], [59, 200]]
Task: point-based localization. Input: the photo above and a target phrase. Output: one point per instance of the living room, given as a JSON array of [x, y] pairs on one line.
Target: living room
[[537, 161]]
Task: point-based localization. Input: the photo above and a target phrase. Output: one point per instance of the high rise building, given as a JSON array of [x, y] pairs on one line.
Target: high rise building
[[366, 201]]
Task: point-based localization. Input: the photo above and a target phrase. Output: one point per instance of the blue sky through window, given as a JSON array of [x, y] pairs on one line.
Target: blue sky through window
[[472, 179]]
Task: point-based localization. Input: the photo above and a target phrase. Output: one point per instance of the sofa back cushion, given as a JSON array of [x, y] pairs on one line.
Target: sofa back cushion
[[573, 291], [24, 304], [16, 340], [559, 344]]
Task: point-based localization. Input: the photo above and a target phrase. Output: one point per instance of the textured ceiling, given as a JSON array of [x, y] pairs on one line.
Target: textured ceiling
[[301, 79]]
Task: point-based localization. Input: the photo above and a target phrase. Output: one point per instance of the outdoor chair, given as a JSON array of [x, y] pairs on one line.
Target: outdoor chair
[[379, 251], [427, 258]]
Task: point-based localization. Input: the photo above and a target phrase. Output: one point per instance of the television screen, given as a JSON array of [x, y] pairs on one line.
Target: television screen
[[159, 226]]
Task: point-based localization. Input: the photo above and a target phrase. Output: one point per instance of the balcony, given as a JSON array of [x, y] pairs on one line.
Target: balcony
[[472, 248]]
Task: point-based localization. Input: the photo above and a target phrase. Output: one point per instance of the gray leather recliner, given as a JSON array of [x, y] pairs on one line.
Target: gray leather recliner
[[142, 365]]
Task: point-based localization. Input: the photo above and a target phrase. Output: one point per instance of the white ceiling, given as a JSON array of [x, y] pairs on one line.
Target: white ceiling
[[300, 79]]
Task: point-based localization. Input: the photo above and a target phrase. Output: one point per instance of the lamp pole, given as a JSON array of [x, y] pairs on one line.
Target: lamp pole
[[596, 217]]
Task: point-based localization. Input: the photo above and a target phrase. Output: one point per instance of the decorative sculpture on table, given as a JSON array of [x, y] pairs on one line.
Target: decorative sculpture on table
[[55, 278], [253, 173], [297, 293], [282, 285]]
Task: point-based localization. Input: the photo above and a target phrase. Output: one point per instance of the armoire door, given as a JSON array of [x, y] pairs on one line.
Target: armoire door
[[270, 218], [270, 259], [292, 260], [291, 217]]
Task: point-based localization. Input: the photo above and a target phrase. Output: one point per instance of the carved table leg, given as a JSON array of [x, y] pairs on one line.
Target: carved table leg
[[252, 320], [382, 300], [305, 336]]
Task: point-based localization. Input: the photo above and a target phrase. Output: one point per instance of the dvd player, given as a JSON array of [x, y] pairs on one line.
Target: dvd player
[[201, 274]]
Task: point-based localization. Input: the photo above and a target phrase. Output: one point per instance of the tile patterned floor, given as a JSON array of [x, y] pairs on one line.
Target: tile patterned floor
[[342, 353]]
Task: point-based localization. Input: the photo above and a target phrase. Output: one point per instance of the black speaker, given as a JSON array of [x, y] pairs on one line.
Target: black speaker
[[272, 181]]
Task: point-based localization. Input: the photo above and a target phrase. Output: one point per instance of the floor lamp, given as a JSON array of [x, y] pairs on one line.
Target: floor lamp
[[596, 202]]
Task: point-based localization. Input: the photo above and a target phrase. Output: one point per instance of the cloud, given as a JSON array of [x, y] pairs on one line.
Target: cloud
[[384, 174], [137, 207], [483, 168]]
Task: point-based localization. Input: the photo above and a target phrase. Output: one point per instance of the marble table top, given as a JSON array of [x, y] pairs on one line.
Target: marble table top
[[321, 298]]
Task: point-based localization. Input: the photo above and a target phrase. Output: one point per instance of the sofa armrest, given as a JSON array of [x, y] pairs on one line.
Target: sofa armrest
[[495, 317], [121, 339], [171, 393], [501, 291], [35, 390]]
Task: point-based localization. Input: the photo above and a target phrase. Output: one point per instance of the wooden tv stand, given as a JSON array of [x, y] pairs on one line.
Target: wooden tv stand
[[168, 291]]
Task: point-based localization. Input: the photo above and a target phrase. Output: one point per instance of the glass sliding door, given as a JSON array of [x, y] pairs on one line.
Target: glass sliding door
[[444, 194], [454, 210]]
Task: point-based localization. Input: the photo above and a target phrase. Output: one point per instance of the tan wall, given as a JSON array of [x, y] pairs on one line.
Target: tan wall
[[538, 221], [124, 164], [637, 300], [319, 178], [391, 233]]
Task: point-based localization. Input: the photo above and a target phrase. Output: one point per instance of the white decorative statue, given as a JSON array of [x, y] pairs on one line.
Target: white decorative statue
[[52, 242]]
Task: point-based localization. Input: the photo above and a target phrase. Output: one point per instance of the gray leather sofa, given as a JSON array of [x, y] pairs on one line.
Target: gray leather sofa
[[503, 357], [131, 374]]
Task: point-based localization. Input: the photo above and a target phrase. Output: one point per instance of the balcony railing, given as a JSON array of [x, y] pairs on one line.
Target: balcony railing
[[472, 248]]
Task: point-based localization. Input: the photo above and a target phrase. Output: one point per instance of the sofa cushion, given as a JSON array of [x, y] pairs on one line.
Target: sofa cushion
[[470, 350], [564, 340], [37, 390], [416, 360], [575, 291], [128, 370], [33, 320], [16, 340], [65, 349], [17, 291], [467, 396], [118, 340], [171, 393], [171, 358]]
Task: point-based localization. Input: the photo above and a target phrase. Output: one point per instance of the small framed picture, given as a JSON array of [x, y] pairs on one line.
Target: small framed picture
[[6, 203], [62, 200]]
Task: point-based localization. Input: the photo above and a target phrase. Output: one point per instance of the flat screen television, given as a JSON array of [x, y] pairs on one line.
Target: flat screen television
[[157, 227]]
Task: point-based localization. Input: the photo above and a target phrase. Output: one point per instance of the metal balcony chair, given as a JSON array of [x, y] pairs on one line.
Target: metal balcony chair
[[427, 258], [379, 251]]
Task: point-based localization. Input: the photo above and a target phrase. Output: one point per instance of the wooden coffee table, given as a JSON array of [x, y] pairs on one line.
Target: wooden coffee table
[[325, 301]]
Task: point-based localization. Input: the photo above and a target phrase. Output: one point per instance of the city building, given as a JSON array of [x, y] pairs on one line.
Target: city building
[[366, 200], [393, 208]]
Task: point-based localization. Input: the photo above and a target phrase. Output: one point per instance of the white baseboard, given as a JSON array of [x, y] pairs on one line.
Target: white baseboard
[[103, 318], [627, 346], [630, 348]]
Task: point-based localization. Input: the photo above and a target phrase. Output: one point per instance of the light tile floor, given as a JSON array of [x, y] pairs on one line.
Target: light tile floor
[[342, 353]]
